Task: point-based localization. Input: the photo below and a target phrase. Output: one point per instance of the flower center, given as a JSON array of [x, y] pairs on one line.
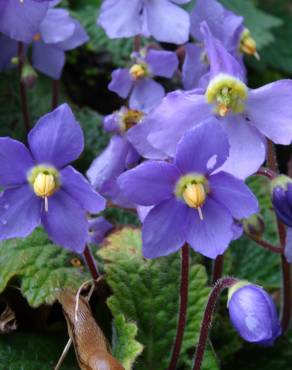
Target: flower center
[[130, 118], [227, 93], [45, 181], [193, 190], [139, 71], [37, 37], [247, 44]]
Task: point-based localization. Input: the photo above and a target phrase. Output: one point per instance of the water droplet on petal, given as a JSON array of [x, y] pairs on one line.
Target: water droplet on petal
[[211, 162], [4, 222], [6, 206]]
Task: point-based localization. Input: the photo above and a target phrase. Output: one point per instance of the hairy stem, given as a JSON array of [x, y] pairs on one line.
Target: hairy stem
[[22, 90], [91, 263], [182, 316], [55, 93], [217, 268], [220, 285]]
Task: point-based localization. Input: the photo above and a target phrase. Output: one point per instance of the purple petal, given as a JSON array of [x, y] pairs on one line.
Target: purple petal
[[233, 194], [288, 246], [21, 20], [180, 1], [149, 183], [146, 95], [220, 59], [178, 112], [20, 212], [270, 111], [162, 63], [203, 148], [119, 19], [98, 228], [57, 138], [75, 185], [163, 229], [212, 235], [111, 122], [167, 22], [8, 49], [121, 82], [78, 38], [15, 162], [105, 169], [66, 222], [132, 158], [193, 67], [48, 59], [247, 147], [142, 212], [57, 26]]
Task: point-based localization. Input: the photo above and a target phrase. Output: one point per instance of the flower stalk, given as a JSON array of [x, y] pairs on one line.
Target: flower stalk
[[55, 93], [182, 316], [91, 263], [217, 268]]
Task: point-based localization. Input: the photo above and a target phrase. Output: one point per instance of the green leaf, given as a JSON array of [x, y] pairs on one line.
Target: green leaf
[[146, 292], [41, 267], [259, 22], [125, 347], [26, 351]]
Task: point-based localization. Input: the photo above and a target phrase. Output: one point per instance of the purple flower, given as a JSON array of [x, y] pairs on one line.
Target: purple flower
[[137, 81], [193, 202], [98, 228], [20, 19], [162, 19], [253, 314], [246, 115], [41, 187]]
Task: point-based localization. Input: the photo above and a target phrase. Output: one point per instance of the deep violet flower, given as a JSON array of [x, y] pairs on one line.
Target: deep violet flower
[[137, 81], [163, 19], [21, 19], [41, 188], [246, 115], [98, 228], [57, 33], [253, 313], [191, 202]]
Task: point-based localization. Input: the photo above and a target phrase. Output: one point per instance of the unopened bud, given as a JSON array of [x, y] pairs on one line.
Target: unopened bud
[[281, 188], [28, 75], [254, 226]]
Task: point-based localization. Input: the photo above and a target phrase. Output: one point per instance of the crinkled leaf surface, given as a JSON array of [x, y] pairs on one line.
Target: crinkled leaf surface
[[146, 292]]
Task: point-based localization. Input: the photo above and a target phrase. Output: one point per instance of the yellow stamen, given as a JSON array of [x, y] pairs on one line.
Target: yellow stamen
[[222, 110], [130, 118], [195, 196], [44, 186], [138, 71], [248, 44], [37, 37]]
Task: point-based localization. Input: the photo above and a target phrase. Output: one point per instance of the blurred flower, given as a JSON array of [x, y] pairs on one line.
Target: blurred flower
[[20, 20], [246, 115], [137, 81], [98, 228], [162, 19], [41, 188], [191, 203], [253, 314]]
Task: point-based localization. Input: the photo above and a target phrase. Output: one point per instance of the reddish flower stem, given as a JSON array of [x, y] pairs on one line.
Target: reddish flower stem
[[91, 263], [55, 93], [286, 270], [182, 316], [137, 43], [268, 246], [266, 172], [22, 90], [217, 268], [220, 285]]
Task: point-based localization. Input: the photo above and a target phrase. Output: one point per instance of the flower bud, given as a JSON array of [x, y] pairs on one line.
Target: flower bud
[[28, 75], [282, 198], [253, 313], [254, 226]]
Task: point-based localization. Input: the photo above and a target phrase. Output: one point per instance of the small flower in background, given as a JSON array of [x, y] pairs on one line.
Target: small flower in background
[[246, 115], [137, 81], [164, 20], [41, 188], [98, 228], [253, 313], [20, 20], [192, 203], [57, 33]]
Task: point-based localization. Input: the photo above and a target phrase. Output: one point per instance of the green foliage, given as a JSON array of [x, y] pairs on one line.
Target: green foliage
[[27, 351], [125, 348], [146, 292], [41, 268]]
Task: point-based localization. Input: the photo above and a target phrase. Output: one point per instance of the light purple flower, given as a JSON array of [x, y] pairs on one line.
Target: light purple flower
[[41, 187], [253, 314], [192, 203], [137, 81], [246, 115], [162, 19], [20, 20], [98, 228]]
